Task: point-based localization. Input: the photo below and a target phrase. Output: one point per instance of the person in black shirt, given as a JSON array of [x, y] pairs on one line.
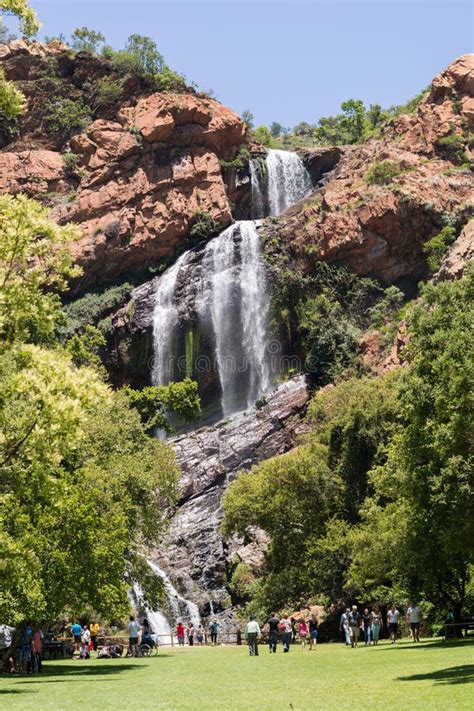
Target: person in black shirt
[[273, 623], [313, 633], [367, 618]]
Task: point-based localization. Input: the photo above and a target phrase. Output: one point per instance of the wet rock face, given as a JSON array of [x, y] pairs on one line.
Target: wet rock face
[[194, 553]]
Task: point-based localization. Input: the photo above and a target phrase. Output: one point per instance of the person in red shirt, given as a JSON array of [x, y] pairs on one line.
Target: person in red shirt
[[180, 633]]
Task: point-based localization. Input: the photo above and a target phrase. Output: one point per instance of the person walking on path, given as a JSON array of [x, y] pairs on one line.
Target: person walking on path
[[273, 623], [286, 633], [414, 616], [180, 634], [95, 632], [313, 633], [367, 618], [343, 626], [214, 630], [393, 615], [133, 632], [303, 633], [377, 624], [355, 623], [253, 633]]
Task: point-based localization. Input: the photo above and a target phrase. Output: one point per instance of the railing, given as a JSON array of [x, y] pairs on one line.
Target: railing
[[171, 639]]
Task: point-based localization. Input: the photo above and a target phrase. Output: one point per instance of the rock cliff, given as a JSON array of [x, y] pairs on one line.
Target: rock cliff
[[194, 552], [139, 172]]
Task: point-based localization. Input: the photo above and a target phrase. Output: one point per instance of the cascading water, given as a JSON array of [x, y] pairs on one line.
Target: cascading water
[[278, 182], [216, 296], [229, 303], [183, 610]]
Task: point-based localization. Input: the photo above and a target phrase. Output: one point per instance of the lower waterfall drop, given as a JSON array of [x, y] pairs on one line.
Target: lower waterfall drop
[[183, 610]]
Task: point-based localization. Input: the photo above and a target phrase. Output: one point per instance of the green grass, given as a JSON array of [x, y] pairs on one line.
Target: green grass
[[428, 676]]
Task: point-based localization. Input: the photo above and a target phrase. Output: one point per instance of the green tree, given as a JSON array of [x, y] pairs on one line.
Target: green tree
[[353, 121], [152, 403], [303, 129], [82, 488], [423, 506], [263, 135], [276, 129], [86, 40], [436, 247], [248, 118], [35, 263], [140, 56], [21, 9]]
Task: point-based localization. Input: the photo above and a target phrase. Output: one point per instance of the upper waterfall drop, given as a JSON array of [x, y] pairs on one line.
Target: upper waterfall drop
[[278, 182]]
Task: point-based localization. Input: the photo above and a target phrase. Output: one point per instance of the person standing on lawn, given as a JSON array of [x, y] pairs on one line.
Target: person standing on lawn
[[214, 629], [253, 633], [367, 618], [273, 623], [286, 633], [414, 616], [133, 632], [303, 633], [76, 630], [377, 624], [393, 615], [180, 631], [191, 634], [313, 633], [355, 623], [343, 626], [95, 632]]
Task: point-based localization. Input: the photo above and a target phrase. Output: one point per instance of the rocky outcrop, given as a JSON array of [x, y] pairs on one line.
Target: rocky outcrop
[[377, 225], [458, 256], [136, 177], [194, 553]]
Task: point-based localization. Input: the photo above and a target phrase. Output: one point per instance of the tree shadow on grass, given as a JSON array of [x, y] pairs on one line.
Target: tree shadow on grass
[[424, 645], [54, 673], [463, 674], [16, 691]]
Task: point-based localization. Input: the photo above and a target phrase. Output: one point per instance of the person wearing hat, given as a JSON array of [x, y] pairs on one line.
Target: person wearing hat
[[253, 633]]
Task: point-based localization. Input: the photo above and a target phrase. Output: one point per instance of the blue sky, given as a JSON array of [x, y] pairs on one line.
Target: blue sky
[[286, 61]]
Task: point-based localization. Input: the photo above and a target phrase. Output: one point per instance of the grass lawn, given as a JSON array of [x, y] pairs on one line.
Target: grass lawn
[[427, 676]]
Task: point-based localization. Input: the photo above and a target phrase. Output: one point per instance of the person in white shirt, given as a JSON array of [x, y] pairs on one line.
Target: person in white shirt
[[414, 615], [133, 632], [253, 633], [393, 615]]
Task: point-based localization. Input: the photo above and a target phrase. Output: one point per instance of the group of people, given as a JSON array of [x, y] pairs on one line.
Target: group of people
[[85, 638], [25, 656], [286, 628], [369, 624], [189, 632]]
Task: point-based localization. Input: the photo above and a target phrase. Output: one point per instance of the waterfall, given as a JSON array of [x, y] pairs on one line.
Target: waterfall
[[216, 295], [183, 610], [165, 321], [282, 182], [158, 623]]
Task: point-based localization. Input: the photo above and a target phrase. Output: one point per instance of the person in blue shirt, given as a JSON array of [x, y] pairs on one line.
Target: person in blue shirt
[[76, 630]]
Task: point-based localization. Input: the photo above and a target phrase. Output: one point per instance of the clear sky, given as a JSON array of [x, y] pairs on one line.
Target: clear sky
[[287, 61]]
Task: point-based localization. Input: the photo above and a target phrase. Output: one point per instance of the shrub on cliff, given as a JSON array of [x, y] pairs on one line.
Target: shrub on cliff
[[66, 116], [204, 227], [436, 247], [382, 173]]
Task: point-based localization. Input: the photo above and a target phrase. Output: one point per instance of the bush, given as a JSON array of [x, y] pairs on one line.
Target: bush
[[66, 116], [239, 162], [70, 163], [436, 247], [140, 57], [108, 92], [382, 173], [263, 135], [386, 308], [452, 147], [92, 308], [204, 227]]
